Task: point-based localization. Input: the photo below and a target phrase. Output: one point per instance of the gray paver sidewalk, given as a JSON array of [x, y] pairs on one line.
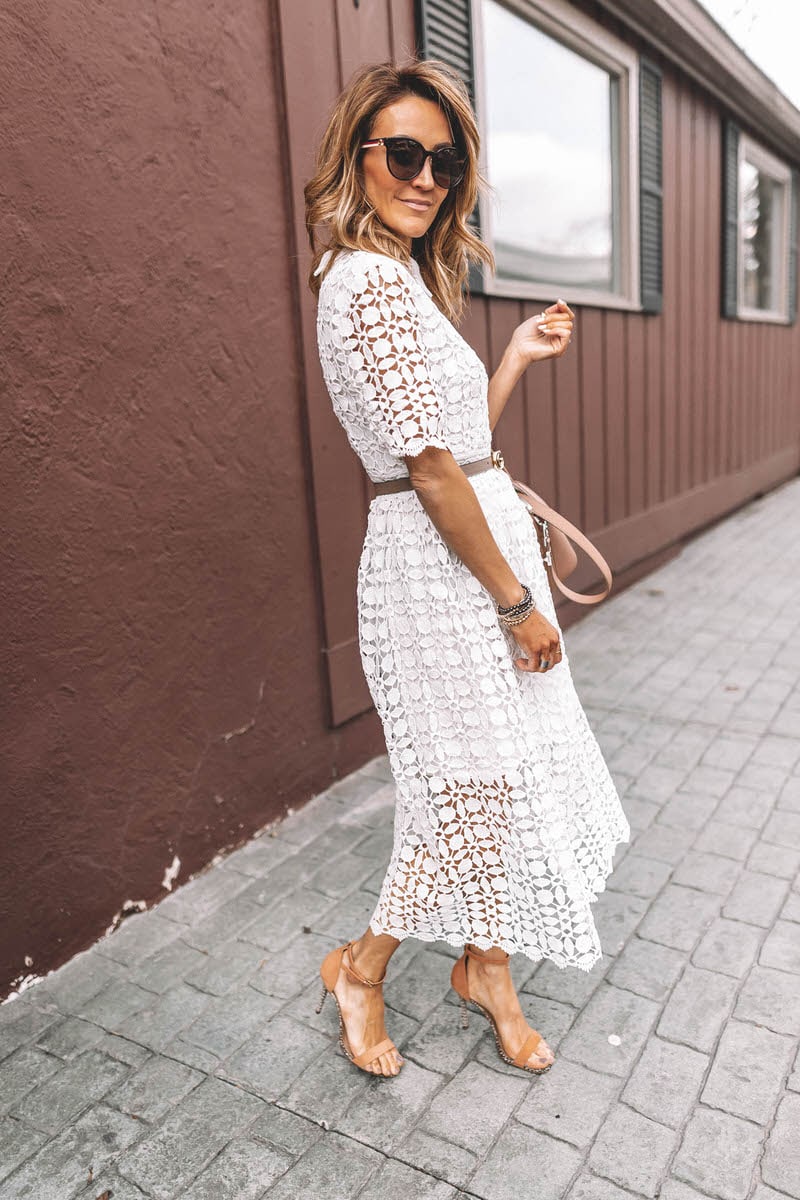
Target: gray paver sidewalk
[[182, 1057]]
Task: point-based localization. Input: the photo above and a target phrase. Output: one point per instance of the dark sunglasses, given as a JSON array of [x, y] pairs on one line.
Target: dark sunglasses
[[405, 158]]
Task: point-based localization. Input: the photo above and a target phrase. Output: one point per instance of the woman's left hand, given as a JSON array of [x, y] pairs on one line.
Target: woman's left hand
[[546, 335]]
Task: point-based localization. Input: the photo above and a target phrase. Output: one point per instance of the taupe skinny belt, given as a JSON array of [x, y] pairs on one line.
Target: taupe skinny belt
[[405, 485]]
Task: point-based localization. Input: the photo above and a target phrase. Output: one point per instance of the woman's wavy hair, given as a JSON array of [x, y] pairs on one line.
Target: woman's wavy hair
[[336, 199]]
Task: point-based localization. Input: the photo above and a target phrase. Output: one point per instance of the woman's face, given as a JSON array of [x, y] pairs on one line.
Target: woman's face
[[409, 207]]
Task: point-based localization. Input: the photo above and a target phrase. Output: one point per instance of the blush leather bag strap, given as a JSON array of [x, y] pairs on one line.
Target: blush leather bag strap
[[541, 509]]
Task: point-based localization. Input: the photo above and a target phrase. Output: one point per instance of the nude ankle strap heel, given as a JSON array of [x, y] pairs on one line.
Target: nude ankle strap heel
[[460, 985], [333, 962]]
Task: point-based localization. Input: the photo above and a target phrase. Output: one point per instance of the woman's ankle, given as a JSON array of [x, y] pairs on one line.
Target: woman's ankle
[[371, 953], [494, 956]]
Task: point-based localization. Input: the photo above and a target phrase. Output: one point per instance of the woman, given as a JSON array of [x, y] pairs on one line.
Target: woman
[[506, 817]]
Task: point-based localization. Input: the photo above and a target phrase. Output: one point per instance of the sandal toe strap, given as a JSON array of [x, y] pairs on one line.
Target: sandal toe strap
[[367, 1056], [527, 1048]]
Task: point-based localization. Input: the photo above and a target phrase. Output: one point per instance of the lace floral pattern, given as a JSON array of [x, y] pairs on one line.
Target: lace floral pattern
[[506, 817], [399, 375]]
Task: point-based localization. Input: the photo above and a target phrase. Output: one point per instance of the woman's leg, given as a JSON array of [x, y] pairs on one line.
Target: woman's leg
[[361, 1005], [490, 983]]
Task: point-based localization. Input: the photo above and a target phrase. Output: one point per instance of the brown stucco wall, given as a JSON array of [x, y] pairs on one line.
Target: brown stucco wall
[[159, 613]]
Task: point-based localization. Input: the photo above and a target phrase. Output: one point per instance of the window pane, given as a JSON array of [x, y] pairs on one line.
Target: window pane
[[761, 227], [548, 155]]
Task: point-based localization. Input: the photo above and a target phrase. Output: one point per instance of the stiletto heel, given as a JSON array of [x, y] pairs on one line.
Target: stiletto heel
[[332, 964], [464, 1012], [459, 984]]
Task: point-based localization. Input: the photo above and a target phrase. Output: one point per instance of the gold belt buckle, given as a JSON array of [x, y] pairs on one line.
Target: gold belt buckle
[[498, 460]]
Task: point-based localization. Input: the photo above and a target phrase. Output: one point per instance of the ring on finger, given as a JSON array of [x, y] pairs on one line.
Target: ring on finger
[[544, 663]]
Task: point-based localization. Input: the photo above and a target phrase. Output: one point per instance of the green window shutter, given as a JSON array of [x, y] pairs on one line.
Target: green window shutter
[[651, 193], [794, 245], [445, 32], [730, 219]]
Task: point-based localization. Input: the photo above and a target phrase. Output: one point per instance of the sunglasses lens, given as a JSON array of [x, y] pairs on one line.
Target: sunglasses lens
[[405, 157], [448, 168]]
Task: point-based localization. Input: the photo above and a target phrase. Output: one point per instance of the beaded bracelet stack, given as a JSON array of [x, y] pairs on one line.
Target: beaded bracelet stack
[[516, 613]]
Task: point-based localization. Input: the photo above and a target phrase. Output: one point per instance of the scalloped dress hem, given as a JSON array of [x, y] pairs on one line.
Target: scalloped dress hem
[[534, 953]]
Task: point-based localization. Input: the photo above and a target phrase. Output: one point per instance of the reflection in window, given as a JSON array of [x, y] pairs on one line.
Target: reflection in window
[[548, 124], [761, 224]]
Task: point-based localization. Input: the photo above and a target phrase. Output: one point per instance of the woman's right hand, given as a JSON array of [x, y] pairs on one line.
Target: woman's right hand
[[539, 641]]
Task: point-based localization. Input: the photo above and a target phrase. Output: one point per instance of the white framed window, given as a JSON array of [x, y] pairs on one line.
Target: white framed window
[[763, 233], [557, 103]]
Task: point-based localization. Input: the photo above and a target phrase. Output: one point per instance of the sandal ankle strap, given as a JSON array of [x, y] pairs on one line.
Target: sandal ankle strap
[[356, 974]]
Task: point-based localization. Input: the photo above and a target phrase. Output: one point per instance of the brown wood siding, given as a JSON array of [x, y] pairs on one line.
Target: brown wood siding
[[337, 38], [654, 425], [650, 427]]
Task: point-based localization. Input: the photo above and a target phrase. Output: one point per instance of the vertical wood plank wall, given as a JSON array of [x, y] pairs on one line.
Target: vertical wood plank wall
[[322, 45], [648, 428]]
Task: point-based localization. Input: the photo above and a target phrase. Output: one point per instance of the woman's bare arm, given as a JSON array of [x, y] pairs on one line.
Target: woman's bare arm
[[450, 501], [452, 505], [501, 385], [546, 335]]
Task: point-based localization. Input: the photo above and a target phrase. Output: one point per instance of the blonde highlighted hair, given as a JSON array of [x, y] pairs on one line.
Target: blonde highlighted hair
[[335, 198]]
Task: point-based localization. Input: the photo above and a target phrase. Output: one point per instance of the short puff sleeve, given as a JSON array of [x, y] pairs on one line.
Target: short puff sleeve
[[387, 359]]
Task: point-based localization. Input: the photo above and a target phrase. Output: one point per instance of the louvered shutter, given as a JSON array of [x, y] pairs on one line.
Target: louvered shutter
[[730, 218], [445, 32], [794, 245], [651, 195]]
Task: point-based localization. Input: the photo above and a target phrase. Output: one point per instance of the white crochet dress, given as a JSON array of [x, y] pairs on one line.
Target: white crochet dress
[[506, 816]]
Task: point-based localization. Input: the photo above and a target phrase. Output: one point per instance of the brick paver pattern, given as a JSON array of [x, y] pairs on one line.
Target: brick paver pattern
[[182, 1057]]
